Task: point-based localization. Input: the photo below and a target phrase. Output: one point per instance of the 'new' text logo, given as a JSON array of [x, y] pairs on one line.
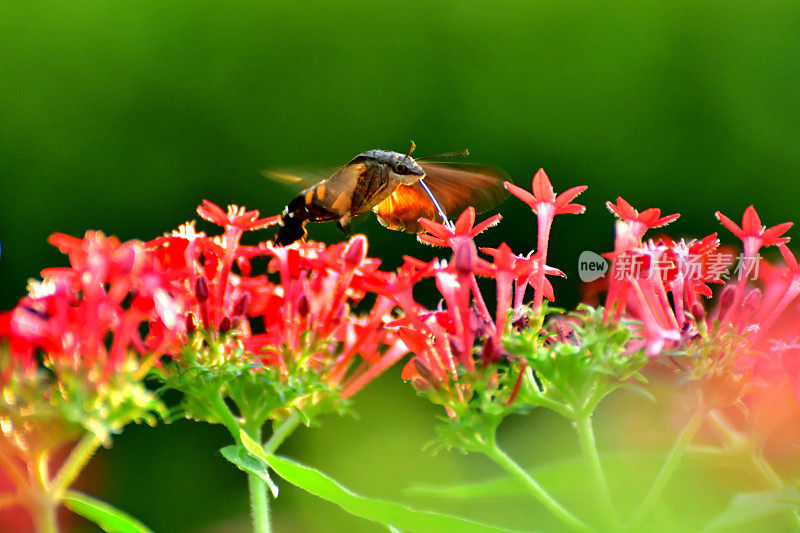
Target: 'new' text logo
[[591, 266]]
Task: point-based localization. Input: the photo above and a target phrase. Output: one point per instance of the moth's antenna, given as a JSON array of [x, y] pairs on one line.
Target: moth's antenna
[[436, 204], [462, 153], [411, 148]]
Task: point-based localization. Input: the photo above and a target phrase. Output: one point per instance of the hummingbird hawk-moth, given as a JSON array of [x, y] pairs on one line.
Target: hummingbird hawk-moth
[[397, 188]]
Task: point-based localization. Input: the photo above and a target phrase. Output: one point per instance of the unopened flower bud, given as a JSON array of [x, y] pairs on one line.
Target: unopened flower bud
[[698, 311], [356, 250], [242, 305], [201, 289], [225, 325], [726, 297], [340, 313], [302, 306], [752, 301], [126, 259], [465, 256], [455, 347], [191, 323], [491, 352], [425, 373]]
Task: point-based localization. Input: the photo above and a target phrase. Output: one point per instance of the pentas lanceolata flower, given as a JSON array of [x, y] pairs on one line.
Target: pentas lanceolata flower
[[484, 365], [733, 349], [252, 334], [73, 360], [284, 342], [289, 332]]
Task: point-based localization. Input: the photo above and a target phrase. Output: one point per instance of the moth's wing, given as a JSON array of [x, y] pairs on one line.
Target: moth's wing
[[335, 194], [404, 207], [455, 186], [295, 178]]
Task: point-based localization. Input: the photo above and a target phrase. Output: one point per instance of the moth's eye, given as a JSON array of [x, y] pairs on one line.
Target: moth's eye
[[400, 168]]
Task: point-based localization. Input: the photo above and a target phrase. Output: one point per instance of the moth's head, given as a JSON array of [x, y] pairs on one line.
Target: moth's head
[[402, 166]]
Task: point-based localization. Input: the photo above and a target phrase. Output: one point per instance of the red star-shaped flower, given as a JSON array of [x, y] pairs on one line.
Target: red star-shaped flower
[[236, 216], [543, 194], [752, 233], [651, 218], [442, 235]]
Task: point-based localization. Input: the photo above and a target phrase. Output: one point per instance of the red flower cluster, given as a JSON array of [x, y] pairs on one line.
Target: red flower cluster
[[684, 270], [464, 333], [303, 302], [88, 316], [749, 333]]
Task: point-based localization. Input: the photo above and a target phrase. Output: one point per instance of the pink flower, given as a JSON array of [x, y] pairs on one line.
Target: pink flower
[[442, 235], [89, 315], [752, 233], [546, 204], [629, 232], [753, 236], [634, 224], [235, 217], [696, 263], [545, 199]]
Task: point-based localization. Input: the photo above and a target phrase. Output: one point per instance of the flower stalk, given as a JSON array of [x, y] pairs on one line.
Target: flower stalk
[[496, 454], [671, 464], [585, 430]]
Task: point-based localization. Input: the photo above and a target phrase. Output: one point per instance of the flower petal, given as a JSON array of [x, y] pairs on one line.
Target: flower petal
[[486, 224], [570, 194], [730, 224], [751, 223], [788, 257], [521, 193], [542, 188], [465, 221], [773, 234], [213, 213]]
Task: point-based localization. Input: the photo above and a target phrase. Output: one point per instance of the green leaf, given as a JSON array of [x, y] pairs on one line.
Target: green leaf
[[246, 462], [745, 507], [384, 512], [109, 518], [252, 446]]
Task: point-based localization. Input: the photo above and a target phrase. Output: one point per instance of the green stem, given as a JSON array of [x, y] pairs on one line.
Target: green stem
[[282, 433], [766, 471], [732, 438], [227, 418], [43, 505], [259, 504], [45, 517], [585, 429], [770, 476], [670, 465], [75, 462], [739, 444], [259, 499], [507, 463]]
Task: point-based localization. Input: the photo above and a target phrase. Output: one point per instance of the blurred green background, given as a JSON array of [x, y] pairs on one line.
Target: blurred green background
[[123, 116]]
